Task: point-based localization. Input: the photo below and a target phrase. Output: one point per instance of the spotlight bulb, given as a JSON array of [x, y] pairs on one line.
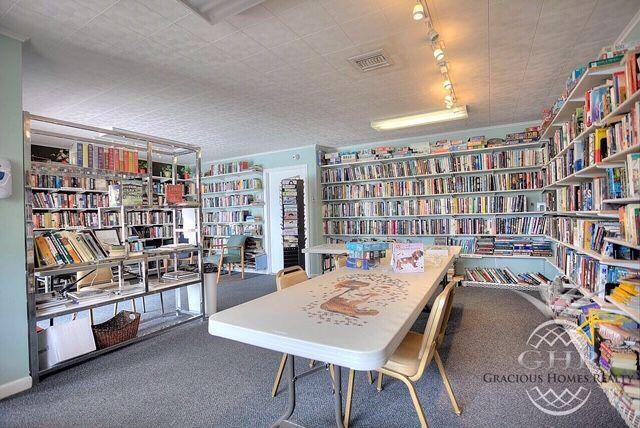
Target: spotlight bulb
[[418, 12], [447, 84], [433, 35], [448, 99], [438, 54]]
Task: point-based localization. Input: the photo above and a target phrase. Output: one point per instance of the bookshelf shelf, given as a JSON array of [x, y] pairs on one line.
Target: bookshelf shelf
[[623, 243], [440, 174], [520, 287], [500, 256], [433, 155], [53, 209], [231, 174], [633, 313], [65, 190], [621, 201], [235, 192], [426, 235]]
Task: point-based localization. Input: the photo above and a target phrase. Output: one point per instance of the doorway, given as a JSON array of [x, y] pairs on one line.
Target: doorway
[[273, 211]]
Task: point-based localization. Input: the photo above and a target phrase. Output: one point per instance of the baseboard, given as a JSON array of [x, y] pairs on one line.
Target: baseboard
[[14, 387]]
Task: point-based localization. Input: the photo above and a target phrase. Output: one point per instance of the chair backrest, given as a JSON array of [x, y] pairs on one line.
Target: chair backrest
[[432, 330], [235, 241], [290, 276], [447, 313]]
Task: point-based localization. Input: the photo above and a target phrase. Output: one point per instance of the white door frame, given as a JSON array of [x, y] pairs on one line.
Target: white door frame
[[302, 171]]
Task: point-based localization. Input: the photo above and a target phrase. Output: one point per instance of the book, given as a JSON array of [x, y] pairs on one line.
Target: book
[[174, 193], [131, 192], [633, 174]]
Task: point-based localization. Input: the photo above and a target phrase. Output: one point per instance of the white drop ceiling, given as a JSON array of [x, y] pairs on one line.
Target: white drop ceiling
[[277, 75]]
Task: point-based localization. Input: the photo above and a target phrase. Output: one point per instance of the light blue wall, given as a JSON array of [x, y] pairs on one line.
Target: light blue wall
[[14, 353]]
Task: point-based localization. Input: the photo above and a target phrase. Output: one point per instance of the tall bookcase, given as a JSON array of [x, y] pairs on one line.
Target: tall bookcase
[[233, 204], [71, 195], [593, 187]]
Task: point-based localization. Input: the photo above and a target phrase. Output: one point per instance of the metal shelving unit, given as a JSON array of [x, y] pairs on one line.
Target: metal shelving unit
[[145, 281]]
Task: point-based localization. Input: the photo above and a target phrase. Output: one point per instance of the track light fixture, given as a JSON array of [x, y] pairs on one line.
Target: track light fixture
[[418, 11], [421, 13]]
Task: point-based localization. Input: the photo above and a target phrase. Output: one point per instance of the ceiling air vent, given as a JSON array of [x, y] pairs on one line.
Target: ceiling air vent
[[371, 60]]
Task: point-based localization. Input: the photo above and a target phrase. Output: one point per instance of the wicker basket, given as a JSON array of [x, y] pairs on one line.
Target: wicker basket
[[122, 327]]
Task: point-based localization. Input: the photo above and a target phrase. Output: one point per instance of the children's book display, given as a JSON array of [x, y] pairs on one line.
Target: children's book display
[[407, 258]]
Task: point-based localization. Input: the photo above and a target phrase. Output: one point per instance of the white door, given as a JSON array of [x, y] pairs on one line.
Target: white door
[[273, 211]]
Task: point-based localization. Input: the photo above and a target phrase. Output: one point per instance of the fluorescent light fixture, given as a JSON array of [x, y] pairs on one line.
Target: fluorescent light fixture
[[420, 119], [418, 12]]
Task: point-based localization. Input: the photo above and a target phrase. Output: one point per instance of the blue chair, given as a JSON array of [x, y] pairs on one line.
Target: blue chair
[[231, 253]]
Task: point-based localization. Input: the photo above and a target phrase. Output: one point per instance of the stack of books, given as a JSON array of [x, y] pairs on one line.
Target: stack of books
[[65, 247], [485, 246], [628, 292]]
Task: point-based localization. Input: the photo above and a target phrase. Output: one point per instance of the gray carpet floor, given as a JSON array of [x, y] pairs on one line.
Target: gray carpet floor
[[186, 377]]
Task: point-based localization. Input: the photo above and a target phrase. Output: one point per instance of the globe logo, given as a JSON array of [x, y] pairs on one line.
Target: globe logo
[[551, 350]]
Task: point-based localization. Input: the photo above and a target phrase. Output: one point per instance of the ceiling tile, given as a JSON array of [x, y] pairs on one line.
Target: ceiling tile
[[201, 28], [137, 17], [306, 18], [329, 40], [238, 45], [270, 33], [249, 17]]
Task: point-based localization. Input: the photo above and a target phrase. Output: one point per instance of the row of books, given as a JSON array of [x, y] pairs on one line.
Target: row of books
[[399, 169], [230, 167], [66, 247], [228, 201], [232, 185], [629, 216], [586, 234], [228, 216], [504, 159], [503, 246], [462, 226], [135, 218], [434, 186], [504, 276], [66, 219], [233, 229], [151, 232], [70, 182], [110, 158], [382, 152], [407, 207], [572, 198], [588, 272], [69, 200]]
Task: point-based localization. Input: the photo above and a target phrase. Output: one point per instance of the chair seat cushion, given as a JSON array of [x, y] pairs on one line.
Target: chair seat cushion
[[228, 258], [405, 359]]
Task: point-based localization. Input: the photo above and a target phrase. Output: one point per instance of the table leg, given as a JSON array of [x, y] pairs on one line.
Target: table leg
[[291, 402], [337, 395]]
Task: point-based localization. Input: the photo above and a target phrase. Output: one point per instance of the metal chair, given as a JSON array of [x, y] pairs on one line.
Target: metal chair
[[410, 360], [285, 278]]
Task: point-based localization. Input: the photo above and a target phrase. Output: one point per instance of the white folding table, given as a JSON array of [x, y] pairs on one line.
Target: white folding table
[[348, 317], [332, 250]]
